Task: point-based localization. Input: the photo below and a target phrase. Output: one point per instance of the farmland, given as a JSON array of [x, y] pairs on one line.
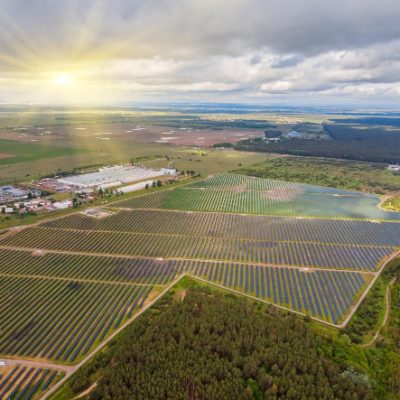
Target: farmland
[[303, 248], [16, 151]]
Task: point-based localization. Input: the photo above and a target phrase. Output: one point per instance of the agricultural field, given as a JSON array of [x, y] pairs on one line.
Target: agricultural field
[[242, 194], [82, 140], [13, 151], [95, 275], [25, 383]]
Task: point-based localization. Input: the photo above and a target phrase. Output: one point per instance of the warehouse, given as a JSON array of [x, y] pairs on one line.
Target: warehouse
[[113, 176]]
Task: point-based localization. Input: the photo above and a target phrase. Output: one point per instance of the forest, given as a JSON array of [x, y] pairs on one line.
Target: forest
[[353, 175], [348, 142], [198, 343]]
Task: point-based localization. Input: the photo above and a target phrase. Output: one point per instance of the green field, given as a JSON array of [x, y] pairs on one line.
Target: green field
[[342, 174], [27, 152], [79, 153]]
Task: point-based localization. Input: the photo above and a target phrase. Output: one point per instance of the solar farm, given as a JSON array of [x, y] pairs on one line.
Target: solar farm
[[19, 382], [67, 285]]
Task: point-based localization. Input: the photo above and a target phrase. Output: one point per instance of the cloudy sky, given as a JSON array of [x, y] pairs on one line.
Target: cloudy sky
[[269, 51]]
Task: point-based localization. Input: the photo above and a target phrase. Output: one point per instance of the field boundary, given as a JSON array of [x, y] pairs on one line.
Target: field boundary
[[216, 237], [368, 288], [205, 260]]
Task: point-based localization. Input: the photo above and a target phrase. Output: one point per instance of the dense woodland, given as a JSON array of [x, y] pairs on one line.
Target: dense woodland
[[349, 142], [353, 175], [370, 313], [206, 345]]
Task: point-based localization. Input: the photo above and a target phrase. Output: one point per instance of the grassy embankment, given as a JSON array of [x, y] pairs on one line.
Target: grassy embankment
[[392, 203]]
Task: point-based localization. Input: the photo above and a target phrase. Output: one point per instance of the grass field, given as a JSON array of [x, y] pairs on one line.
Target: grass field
[[81, 152], [392, 204], [19, 152]]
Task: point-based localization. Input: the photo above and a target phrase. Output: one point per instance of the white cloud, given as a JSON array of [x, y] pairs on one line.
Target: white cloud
[[251, 48]]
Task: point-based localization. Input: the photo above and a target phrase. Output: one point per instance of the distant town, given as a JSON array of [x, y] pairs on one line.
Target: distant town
[[41, 195]]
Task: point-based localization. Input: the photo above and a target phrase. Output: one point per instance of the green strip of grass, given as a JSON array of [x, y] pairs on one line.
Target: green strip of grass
[[24, 151]]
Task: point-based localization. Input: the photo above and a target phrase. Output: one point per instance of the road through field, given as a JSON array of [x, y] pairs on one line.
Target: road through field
[[385, 317], [37, 364], [366, 291]]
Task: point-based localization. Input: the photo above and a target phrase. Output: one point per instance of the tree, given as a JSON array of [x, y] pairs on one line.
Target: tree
[[211, 346]]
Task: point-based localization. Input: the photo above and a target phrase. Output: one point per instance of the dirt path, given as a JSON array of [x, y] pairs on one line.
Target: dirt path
[[87, 391], [74, 368], [385, 317], [58, 278], [38, 364], [159, 259], [366, 291], [213, 237]]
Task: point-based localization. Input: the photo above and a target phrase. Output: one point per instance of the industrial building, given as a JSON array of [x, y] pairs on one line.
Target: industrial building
[[118, 175]]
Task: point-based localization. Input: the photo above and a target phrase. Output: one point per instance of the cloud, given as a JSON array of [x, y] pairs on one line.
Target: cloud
[[251, 48]]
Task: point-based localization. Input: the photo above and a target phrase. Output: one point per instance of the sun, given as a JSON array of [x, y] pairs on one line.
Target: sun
[[63, 79]]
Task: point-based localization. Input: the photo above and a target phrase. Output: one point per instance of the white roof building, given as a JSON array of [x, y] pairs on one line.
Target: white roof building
[[112, 176], [394, 167]]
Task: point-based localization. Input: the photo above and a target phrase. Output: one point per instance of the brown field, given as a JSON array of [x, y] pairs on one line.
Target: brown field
[[5, 155], [282, 194], [130, 133]]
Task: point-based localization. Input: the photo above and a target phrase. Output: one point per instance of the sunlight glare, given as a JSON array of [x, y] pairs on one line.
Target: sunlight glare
[[63, 79]]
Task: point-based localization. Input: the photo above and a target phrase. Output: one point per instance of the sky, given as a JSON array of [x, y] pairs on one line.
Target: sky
[[251, 51]]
